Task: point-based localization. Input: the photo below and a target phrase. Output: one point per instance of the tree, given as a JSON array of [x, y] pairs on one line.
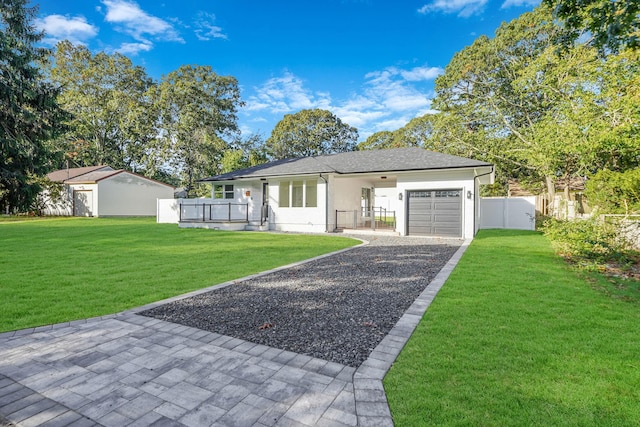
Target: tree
[[614, 24], [197, 110], [112, 115], [377, 141], [310, 133], [244, 153], [29, 115], [615, 192], [540, 112]]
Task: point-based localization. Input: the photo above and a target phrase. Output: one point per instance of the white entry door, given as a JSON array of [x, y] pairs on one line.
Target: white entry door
[[83, 203]]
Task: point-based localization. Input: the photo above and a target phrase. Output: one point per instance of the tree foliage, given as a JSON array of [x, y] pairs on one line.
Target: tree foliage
[[538, 112], [379, 140], [310, 133], [112, 115], [29, 113], [615, 192], [197, 110], [614, 24], [243, 153]]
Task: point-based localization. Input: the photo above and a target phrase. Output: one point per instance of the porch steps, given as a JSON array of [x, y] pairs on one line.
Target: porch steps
[[254, 227]]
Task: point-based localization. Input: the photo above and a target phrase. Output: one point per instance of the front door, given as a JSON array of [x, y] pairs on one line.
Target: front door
[[366, 202], [264, 210]]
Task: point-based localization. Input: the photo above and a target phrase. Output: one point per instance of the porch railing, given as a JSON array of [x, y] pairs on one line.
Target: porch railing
[[214, 212], [374, 219]]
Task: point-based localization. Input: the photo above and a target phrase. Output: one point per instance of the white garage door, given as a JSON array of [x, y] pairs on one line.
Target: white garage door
[[434, 213], [83, 203]]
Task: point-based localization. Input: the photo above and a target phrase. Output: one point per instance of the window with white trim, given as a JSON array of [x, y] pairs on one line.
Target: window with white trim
[[298, 194], [223, 191]]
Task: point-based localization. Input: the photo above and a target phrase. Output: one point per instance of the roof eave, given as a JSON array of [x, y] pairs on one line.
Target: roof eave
[[259, 177]]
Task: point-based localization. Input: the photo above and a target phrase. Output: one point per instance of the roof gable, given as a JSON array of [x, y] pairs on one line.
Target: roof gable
[[93, 174], [390, 160]]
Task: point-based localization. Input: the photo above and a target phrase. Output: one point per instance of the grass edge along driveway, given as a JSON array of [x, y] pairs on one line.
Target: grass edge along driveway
[[517, 338], [58, 270]]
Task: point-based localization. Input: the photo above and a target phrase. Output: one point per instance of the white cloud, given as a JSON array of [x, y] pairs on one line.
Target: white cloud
[[390, 88], [463, 8], [421, 73], [58, 27], [205, 28], [519, 3], [285, 94], [138, 23], [134, 48], [387, 101]]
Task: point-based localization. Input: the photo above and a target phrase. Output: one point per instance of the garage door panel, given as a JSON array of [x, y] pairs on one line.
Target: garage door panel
[[434, 213]]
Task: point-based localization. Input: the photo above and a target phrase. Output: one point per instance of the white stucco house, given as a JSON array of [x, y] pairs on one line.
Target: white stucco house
[[433, 194], [104, 191]]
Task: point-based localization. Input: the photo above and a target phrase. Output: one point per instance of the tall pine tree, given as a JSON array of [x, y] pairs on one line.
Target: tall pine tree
[[29, 114]]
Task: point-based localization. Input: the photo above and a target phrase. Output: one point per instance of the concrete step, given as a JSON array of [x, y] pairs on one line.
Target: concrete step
[[254, 227]]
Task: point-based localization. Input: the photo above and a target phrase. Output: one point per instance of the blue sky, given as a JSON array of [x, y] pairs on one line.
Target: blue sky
[[371, 62]]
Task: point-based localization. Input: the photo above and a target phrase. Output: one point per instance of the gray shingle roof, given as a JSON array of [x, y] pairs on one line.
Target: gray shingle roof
[[65, 174], [391, 160]]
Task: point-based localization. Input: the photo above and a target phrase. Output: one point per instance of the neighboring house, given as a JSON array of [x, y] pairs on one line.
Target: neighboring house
[[434, 194], [104, 191]]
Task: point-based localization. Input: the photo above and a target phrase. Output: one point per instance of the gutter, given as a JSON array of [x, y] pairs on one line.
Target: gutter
[[474, 187]]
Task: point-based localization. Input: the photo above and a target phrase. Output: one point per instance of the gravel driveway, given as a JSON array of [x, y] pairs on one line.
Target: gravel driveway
[[337, 308]]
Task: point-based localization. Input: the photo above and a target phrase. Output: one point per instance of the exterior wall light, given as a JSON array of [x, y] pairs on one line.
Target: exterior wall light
[[399, 196], [469, 194]]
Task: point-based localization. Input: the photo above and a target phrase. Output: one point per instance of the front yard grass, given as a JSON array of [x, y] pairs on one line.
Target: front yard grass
[[57, 270], [516, 337]]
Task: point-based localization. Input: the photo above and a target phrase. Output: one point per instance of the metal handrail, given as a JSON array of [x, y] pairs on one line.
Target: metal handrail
[[377, 218], [215, 212]]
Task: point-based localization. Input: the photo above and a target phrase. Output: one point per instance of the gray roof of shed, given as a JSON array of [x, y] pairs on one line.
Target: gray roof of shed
[[371, 161], [63, 175]]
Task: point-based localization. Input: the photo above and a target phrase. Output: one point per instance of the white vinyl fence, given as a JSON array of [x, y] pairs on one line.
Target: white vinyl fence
[[168, 211], [517, 213]]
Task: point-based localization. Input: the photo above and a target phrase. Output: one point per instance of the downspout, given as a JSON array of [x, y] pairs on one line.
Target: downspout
[[474, 189], [326, 203]]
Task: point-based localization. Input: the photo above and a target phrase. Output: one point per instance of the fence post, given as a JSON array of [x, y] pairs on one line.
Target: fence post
[[180, 212]]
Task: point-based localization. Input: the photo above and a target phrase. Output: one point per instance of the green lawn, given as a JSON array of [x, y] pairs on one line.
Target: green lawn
[[515, 337], [57, 270]]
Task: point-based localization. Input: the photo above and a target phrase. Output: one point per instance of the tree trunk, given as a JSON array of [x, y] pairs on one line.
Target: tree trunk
[[551, 191]]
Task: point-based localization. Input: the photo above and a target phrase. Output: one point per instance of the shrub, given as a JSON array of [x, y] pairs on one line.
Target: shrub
[[614, 192], [587, 241]]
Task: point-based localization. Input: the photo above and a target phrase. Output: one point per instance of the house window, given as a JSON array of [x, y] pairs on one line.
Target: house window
[[223, 191], [298, 194], [311, 194], [284, 194]]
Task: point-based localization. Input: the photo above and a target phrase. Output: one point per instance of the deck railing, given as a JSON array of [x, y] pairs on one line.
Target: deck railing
[[214, 212]]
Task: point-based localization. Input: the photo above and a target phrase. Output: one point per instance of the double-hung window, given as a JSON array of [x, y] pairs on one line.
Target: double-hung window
[[221, 191]]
